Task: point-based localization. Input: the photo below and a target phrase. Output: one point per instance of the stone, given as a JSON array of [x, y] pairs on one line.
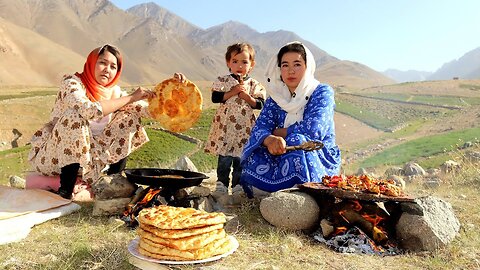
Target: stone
[[185, 164], [393, 171], [198, 190], [291, 210], [203, 203], [398, 180], [434, 228], [113, 186], [450, 166], [17, 182], [327, 227], [232, 225], [110, 207], [413, 168]]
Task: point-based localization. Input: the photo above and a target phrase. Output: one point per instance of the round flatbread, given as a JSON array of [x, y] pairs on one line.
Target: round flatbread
[[177, 106], [186, 243], [154, 250], [170, 217], [179, 233]]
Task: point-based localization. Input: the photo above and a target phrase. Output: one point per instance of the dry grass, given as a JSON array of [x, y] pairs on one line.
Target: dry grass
[[80, 241]]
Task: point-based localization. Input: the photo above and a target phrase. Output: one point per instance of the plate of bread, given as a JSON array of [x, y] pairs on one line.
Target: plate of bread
[[177, 235]]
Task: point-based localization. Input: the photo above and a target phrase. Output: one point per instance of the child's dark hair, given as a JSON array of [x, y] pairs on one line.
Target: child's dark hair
[[293, 47], [238, 48]]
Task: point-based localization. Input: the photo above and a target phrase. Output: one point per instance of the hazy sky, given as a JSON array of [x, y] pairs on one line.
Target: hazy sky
[[406, 34]]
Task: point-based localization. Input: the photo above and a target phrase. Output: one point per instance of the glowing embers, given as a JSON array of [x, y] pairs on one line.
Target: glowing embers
[[351, 226]]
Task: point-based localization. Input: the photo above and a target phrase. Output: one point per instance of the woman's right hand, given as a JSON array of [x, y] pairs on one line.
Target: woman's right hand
[[276, 145], [141, 93]]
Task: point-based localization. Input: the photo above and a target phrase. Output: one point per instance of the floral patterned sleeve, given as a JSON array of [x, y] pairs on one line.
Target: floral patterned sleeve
[[139, 106], [74, 96]]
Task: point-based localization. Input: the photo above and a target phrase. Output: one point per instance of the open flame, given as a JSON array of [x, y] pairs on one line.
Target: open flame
[[357, 226], [145, 198]]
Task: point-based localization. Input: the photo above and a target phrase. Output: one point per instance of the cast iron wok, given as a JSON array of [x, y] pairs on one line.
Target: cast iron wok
[[155, 177]]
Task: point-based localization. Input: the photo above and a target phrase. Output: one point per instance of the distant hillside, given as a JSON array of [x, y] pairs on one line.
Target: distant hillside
[[351, 75], [53, 37], [407, 76], [466, 67]]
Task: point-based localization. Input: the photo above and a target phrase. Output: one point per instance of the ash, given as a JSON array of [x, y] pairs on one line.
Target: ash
[[354, 241]]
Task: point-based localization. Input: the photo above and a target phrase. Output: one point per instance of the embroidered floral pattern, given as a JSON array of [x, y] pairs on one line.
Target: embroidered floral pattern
[[67, 138], [233, 120]]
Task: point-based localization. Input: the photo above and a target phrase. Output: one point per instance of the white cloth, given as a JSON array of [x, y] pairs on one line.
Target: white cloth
[[278, 90]]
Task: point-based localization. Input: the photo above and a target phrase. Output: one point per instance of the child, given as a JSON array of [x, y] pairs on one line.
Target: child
[[238, 95]]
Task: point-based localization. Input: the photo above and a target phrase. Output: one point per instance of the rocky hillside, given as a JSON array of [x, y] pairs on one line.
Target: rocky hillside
[[53, 37]]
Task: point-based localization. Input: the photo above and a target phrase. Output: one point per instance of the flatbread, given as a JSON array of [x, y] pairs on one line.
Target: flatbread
[[186, 243], [170, 217], [177, 106], [157, 251], [175, 234]]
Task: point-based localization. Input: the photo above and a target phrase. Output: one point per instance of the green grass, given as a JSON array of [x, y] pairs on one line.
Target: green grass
[[28, 94], [422, 148], [429, 99], [164, 148], [14, 162], [364, 115], [161, 151], [473, 87]]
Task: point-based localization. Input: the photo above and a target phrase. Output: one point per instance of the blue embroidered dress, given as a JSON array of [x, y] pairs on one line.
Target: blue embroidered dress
[[274, 172]]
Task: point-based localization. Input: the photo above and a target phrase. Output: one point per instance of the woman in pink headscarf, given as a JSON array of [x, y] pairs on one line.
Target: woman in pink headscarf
[[93, 123]]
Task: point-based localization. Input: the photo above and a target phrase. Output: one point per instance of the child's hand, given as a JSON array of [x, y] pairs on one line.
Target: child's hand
[[243, 95], [237, 89]]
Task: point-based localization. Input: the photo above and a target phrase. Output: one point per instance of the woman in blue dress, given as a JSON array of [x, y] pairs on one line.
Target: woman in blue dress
[[299, 109]]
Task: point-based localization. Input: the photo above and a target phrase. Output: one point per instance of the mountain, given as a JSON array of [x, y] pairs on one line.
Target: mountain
[[466, 67], [407, 76], [56, 36], [345, 74], [28, 58]]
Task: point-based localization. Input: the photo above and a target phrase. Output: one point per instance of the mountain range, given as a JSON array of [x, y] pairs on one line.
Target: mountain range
[[466, 67], [50, 38]]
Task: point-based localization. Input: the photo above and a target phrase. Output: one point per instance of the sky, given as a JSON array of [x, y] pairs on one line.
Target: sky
[[401, 34]]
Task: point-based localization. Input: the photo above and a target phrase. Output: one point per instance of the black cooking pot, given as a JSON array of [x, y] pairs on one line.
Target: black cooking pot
[[166, 178]]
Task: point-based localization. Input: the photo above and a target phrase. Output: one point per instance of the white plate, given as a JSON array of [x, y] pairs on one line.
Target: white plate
[[133, 249]]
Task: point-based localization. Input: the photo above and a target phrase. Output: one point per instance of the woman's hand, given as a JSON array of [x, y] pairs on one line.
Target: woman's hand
[[180, 77], [276, 145], [141, 93], [281, 132]]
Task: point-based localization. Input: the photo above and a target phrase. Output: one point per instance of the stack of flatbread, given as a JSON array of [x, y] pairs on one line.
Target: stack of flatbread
[[181, 234]]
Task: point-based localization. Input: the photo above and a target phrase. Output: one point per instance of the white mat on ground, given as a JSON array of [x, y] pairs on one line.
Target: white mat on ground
[[16, 202], [19, 214]]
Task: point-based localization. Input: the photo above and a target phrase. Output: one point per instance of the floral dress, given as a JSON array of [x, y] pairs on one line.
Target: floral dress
[[233, 119], [68, 138], [274, 172]]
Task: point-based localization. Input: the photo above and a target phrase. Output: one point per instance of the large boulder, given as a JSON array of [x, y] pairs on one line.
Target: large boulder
[[450, 166], [113, 186], [185, 164], [427, 224], [293, 210], [413, 169]]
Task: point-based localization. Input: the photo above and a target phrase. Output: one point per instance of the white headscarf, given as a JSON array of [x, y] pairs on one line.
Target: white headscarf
[[278, 90]]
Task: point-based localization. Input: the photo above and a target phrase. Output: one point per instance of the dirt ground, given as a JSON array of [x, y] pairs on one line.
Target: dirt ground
[[25, 115], [350, 131]]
